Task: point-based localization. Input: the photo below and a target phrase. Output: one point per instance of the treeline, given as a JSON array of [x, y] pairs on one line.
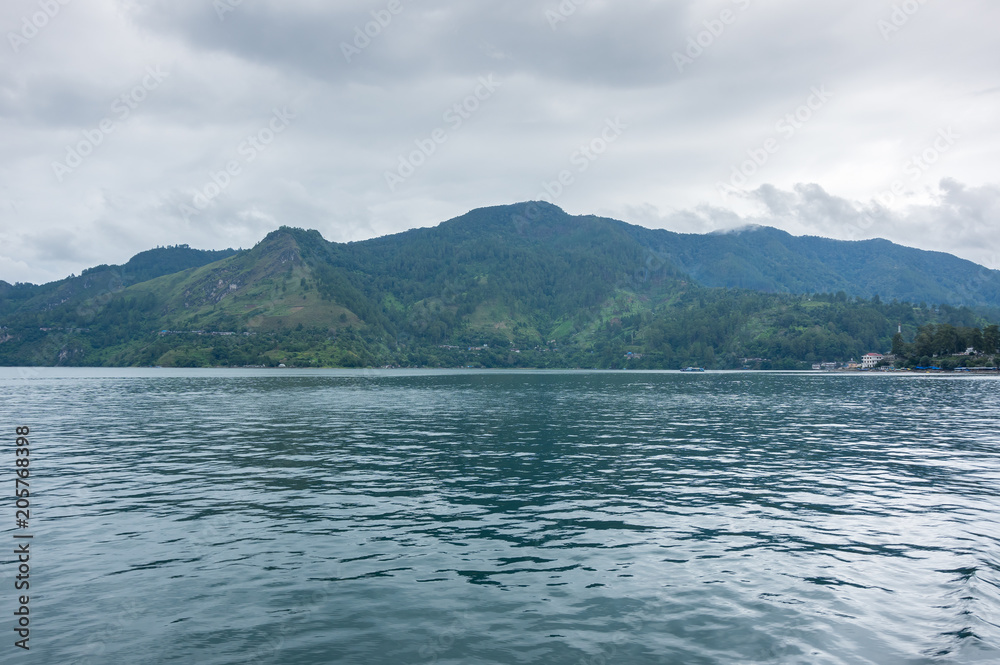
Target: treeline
[[712, 328], [726, 329], [947, 346]]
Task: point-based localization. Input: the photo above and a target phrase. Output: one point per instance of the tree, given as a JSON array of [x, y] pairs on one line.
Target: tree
[[924, 342], [976, 339], [991, 339], [898, 345], [946, 340]]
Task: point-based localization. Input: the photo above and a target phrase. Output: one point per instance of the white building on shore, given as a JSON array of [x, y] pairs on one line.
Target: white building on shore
[[870, 360]]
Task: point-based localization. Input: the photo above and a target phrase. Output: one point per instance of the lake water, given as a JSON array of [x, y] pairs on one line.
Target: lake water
[[211, 517]]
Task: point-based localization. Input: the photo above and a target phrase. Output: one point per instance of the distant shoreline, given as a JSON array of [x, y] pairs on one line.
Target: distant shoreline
[[27, 373]]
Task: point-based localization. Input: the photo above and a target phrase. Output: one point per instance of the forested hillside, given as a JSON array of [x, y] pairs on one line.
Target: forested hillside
[[512, 286]]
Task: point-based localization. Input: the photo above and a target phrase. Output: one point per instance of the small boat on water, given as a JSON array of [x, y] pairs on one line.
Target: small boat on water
[[693, 369]]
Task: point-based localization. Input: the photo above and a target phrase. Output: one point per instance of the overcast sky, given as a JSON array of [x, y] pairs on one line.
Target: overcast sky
[[127, 124]]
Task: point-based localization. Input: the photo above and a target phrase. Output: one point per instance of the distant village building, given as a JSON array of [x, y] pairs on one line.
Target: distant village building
[[870, 360]]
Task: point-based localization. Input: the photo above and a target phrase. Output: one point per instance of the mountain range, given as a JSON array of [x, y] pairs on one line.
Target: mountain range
[[519, 285]]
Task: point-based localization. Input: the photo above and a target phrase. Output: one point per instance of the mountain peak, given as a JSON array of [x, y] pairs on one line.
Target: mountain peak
[[517, 215], [296, 234]]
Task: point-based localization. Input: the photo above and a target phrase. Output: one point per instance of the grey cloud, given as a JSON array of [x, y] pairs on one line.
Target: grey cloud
[[686, 129], [62, 246], [600, 43], [961, 220]]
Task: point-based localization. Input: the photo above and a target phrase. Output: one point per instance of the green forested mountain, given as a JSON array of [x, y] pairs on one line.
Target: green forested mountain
[[523, 285], [767, 259], [102, 281]]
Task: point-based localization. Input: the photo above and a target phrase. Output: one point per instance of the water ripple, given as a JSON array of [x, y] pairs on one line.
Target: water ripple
[[512, 517]]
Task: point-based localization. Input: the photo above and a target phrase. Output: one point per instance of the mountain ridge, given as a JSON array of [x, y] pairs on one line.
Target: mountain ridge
[[526, 277], [690, 252], [106, 279]]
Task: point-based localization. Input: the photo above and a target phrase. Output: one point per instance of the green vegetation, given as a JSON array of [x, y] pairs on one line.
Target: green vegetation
[[948, 347], [515, 286]]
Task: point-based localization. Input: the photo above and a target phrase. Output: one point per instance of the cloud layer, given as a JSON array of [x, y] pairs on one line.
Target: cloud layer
[[126, 124]]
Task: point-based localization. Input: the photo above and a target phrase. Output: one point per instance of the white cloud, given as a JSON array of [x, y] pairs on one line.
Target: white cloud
[[687, 130], [958, 219]]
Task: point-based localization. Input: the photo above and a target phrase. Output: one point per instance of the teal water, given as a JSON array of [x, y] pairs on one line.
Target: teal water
[[297, 517]]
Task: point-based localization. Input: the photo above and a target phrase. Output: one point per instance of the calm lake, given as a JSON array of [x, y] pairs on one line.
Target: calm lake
[[457, 517]]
